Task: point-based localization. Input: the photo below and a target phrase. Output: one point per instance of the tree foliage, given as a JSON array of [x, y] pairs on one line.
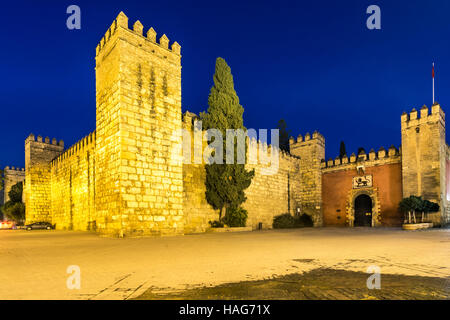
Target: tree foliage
[[14, 209], [413, 204], [342, 150], [287, 221], [235, 216], [225, 183], [15, 194]]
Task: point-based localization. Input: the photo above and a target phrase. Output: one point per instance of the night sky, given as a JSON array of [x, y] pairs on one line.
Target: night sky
[[313, 63]]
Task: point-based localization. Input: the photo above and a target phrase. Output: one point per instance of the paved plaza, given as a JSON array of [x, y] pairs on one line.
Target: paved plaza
[[34, 264]]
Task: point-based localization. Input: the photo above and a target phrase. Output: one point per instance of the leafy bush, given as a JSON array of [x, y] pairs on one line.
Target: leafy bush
[[235, 217], [284, 221], [15, 194], [413, 204], [216, 224], [14, 211], [287, 221]]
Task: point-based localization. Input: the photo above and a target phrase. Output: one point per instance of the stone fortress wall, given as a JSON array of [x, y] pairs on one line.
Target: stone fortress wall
[[122, 179], [73, 186], [39, 154], [275, 189], [127, 177]]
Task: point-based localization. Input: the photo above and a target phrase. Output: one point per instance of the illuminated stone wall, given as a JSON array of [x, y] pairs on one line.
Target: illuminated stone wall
[[12, 176], [197, 211], [37, 191], [275, 189], [139, 186], [128, 179], [72, 187], [424, 157], [311, 151]]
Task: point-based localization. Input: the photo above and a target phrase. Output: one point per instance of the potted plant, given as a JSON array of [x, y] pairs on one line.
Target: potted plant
[[409, 206]]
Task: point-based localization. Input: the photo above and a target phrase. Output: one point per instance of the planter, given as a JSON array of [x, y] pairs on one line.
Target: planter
[[228, 229], [417, 226]]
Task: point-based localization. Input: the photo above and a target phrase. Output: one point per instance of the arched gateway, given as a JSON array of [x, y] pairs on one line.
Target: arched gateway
[[363, 211]]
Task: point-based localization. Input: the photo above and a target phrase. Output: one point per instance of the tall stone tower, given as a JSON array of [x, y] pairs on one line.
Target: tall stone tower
[[37, 189], [139, 183], [311, 151], [424, 156]]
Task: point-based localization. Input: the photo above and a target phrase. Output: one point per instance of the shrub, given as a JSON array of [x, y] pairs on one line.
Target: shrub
[[14, 211], [287, 221], [284, 221], [216, 224], [235, 217]]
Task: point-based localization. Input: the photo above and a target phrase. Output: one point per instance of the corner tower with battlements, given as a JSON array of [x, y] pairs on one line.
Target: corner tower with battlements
[[424, 157], [139, 184], [311, 151], [38, 156]]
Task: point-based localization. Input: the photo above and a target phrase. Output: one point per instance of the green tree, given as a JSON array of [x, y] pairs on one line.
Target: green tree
[[409, 206], [283, 135], [15, 194], [225, 183], [342, 151], [427, 207], [14, 209]]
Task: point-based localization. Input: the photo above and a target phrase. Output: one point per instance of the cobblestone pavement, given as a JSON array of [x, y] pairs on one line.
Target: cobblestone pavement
[[34, 264], [319, 284]]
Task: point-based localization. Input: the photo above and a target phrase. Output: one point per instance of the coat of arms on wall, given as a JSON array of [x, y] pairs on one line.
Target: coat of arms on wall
[[362, 182]]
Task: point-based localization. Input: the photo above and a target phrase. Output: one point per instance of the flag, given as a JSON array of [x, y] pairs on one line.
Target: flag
[[432, 71]]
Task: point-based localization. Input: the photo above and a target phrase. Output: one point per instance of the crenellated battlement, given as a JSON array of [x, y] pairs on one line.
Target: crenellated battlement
[[307, 138], [41, 151], [392, 155], [188, 119], [121, 23], [46, 140], [416, 118], [88, 142], [269, 149], [12, 170]]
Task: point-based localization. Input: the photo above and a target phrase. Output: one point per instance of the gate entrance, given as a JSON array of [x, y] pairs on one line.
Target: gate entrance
[[363, 211]]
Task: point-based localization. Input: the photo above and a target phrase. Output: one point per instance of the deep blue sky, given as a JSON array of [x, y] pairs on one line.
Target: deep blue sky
[[313, 63]]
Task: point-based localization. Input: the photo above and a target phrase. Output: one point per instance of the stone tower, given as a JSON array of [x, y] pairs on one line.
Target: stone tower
[[311, 151], [424, 156], [37, 189], [139, 183]]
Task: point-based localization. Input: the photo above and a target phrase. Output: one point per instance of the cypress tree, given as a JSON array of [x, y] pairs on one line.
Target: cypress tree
[[342, 151], [225, 183], [283, 135]]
